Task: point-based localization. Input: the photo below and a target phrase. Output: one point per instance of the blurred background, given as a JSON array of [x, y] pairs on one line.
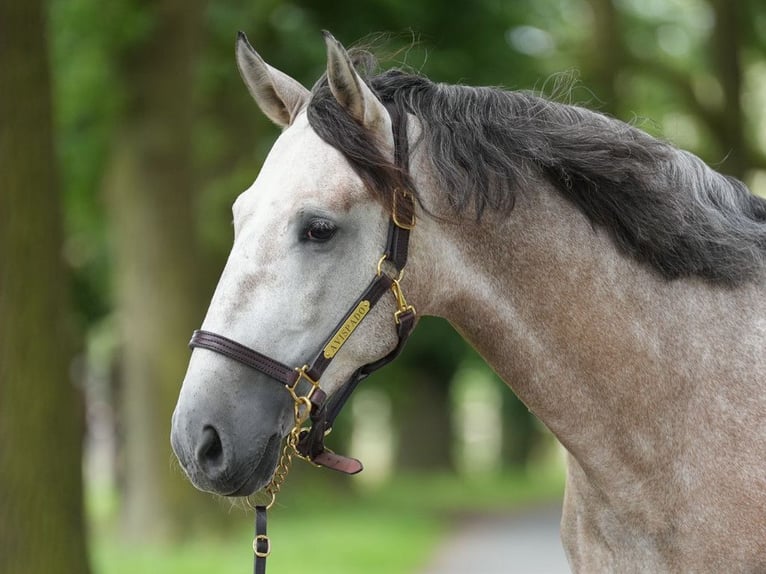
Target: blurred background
[[126, 134]]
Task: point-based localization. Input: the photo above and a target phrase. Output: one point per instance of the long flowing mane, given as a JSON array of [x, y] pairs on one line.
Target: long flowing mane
[[661, 205]]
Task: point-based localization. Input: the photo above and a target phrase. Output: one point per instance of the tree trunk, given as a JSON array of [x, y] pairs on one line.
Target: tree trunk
[[151, 197], [728, 68], [41, 419], [424, 424], [421, 396], [605, 56]]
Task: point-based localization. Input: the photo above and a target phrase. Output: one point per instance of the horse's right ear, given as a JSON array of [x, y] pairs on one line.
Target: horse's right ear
[[278, 95]]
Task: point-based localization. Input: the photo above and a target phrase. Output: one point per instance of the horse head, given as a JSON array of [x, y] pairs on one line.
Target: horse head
[[308, 236]]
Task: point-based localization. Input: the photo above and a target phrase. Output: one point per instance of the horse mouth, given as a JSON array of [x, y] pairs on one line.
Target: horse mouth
[[263, 470]]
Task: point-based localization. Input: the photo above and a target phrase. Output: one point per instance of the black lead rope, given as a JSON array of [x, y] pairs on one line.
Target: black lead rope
[[261, 542]]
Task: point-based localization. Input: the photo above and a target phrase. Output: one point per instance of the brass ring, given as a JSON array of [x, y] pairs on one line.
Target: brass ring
[[380, 264], [252, 504]]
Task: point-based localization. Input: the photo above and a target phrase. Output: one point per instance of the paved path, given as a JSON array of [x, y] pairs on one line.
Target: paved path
[[526, 543]]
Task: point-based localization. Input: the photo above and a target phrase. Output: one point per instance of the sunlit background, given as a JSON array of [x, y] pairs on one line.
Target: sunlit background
[[155, 136]]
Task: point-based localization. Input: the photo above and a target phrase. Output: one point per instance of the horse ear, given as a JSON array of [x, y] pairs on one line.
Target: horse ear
[[351, 91], [278, 95]]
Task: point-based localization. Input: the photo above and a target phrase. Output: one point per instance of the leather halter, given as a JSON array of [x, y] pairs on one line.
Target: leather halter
[[303, 382]]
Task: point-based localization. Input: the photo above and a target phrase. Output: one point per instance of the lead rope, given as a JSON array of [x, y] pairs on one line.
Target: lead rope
[[261, 542], [301, 410]]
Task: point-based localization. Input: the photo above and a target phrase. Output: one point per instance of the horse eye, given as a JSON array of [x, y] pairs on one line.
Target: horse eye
[[319, 230]]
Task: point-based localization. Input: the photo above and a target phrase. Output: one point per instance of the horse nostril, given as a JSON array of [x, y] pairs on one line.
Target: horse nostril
[[210, 449]]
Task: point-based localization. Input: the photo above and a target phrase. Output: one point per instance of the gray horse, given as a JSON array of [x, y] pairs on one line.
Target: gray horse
[[617, 284]]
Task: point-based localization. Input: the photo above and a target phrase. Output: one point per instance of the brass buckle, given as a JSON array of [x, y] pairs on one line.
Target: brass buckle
[[302, 374], [257, 552], [302, 403], [394, 211], [401, 302]]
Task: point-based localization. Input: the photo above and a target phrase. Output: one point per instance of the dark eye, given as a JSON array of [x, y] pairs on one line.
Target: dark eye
[[319, 230]]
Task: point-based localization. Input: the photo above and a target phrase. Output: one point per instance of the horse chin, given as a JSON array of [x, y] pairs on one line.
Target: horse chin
[[262, 471]]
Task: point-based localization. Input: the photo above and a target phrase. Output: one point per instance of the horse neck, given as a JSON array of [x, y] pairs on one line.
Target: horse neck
[[591, 340]]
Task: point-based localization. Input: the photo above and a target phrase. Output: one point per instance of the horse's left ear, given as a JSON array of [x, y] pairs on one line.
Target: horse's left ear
[[351, 91]]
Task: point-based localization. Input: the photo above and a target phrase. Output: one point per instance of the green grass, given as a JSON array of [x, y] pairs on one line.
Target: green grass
[[392, 529]]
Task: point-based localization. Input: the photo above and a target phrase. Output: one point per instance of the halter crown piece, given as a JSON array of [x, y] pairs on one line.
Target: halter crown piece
[[314, 411]]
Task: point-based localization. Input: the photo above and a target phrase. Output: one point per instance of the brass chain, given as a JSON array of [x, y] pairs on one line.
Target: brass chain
[[285, 462], [301, 410]]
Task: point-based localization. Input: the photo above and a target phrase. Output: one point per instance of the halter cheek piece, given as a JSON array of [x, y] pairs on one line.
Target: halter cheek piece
[[310, 401]]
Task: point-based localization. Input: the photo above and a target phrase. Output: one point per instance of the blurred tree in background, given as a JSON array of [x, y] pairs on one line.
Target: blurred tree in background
[[150, 188], [42, 529], [156, 136]]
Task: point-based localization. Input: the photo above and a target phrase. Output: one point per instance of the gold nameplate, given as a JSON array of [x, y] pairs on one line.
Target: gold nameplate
[[346, 329]]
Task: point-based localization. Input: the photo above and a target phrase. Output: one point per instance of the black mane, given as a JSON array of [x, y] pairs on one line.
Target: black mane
[[661, 205]]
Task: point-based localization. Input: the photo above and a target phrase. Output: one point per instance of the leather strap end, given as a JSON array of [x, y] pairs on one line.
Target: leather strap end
[[261, 543], [318, 399], [344, 464]]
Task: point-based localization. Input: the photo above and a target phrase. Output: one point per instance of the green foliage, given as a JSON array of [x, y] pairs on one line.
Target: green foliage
[[87, 99]]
